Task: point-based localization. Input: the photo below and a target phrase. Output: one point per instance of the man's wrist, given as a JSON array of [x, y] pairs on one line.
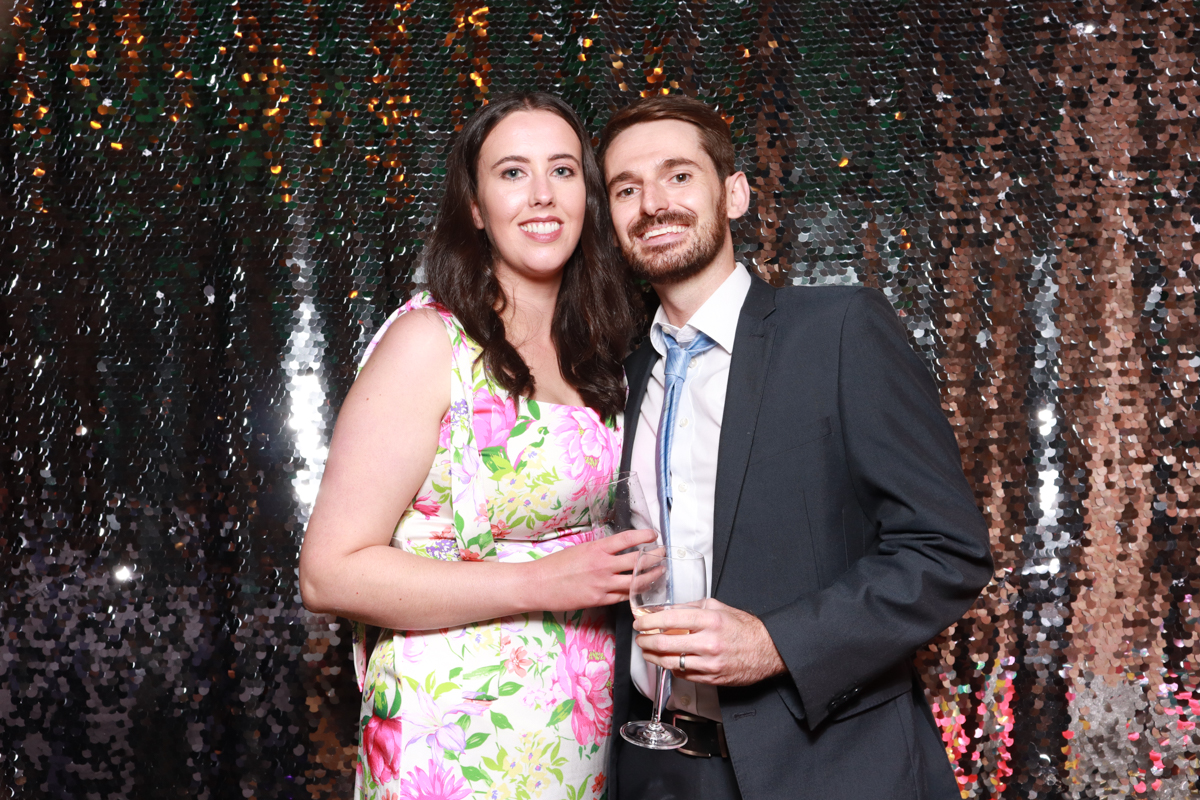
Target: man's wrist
[[770, 662]]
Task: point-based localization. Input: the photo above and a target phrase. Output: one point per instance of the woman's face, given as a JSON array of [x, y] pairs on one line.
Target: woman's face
[[531, 198]]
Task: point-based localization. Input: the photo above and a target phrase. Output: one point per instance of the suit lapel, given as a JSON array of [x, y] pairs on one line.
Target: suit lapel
[[638, 367], [747, 377]]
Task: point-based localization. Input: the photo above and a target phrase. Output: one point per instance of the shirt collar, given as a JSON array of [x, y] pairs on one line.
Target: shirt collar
[[717, 318]]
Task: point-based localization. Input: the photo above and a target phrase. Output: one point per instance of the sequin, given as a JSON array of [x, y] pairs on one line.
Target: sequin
[[207, 211]]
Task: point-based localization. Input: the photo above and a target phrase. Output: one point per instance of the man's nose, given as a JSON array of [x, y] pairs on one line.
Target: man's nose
[[654, 199]]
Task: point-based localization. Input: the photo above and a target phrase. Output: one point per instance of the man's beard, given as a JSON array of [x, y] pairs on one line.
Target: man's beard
[[665, 265]]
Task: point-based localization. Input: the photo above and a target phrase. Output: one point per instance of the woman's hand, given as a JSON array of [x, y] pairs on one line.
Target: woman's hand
[[586, 575]]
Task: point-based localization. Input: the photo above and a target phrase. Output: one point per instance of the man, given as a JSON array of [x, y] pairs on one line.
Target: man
[[811, 462]]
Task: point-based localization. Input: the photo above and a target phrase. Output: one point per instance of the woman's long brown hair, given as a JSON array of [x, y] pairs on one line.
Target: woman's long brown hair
[[594, 319]]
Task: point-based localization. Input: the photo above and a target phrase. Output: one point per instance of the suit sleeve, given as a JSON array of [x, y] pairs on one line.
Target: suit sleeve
[[930, 556]]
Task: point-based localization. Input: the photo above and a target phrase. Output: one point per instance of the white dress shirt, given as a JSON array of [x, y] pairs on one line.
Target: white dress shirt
[[693, 453]]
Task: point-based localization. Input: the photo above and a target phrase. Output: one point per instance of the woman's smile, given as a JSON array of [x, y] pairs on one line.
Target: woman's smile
[[542, 229]]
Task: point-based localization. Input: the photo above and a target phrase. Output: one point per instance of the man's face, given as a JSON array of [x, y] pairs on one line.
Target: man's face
[[669, 207]]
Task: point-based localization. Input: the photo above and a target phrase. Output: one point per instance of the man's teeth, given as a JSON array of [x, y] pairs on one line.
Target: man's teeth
[[664, 231], [541, 227]]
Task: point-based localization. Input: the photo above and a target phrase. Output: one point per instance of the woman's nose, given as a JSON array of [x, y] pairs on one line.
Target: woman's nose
[[541, 191]]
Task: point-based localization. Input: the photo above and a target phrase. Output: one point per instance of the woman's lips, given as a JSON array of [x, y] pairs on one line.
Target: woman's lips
[[543, 231]]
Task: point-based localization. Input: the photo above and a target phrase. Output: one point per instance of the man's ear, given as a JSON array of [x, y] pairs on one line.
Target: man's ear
[[737, 195], [477, 216]]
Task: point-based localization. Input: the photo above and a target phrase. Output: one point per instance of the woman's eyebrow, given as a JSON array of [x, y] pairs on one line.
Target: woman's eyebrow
[[518, 159], [524, 160]]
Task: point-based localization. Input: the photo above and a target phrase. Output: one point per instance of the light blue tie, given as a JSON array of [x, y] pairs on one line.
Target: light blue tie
[[676, 373]]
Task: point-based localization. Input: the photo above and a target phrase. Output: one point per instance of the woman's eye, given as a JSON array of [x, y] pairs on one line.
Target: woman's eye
[[511, 174], [563, 172]]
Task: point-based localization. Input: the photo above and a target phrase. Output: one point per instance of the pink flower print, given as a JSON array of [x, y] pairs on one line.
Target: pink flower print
[[427, 506], [538, 698], [414, 646], [494, 417], [472, 553], [501, 529], [585, 672], [553, 545], [444, 433], [434, 723], [587, 443], [560, 521], [439, 783], [381, 742], [518, 662]]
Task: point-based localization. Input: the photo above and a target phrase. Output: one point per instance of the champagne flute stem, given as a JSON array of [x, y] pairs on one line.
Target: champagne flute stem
[[660, 695]]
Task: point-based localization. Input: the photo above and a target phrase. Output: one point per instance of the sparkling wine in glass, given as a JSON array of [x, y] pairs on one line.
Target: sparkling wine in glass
[[663, 578]]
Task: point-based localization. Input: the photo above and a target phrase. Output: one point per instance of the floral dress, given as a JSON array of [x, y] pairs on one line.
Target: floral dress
[[518, 707]]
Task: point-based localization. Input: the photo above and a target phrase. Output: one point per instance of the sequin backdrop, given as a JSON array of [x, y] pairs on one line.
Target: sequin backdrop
[[208, 207]]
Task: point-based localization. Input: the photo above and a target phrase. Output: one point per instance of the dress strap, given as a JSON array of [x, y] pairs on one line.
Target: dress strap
[[468, 497]]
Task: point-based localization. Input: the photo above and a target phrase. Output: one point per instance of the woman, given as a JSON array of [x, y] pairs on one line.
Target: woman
[[484, 410]]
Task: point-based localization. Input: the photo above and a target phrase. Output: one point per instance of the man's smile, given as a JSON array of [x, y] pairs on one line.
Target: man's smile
[[654, 233]]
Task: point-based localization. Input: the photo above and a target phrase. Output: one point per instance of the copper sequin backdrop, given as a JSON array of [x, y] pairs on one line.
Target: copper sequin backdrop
[[208, 207]]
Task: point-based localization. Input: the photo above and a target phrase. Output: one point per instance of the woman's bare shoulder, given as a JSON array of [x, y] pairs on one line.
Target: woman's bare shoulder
[[416, 342]]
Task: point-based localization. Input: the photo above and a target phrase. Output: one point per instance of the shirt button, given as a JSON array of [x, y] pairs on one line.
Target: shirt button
[[682, 487], [692, 364], [683, 423], [686, 701]]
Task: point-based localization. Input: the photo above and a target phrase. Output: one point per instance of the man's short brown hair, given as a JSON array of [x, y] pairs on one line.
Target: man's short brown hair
[[714, 131]]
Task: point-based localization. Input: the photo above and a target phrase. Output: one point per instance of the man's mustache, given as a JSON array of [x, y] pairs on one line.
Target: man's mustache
[[644, 223]]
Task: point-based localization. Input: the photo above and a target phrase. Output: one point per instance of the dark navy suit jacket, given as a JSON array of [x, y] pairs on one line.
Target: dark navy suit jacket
[[844, 522]]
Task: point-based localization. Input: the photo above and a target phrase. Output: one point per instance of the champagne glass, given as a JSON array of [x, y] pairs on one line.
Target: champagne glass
[[617, 504], [663, 578]]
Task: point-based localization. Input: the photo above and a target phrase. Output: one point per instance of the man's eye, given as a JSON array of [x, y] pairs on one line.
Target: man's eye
[[626, 192], [681, 177]]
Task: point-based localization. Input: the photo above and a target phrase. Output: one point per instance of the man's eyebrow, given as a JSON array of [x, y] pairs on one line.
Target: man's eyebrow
[[624, 176], [668, 164], [672, 163], [524, 160]]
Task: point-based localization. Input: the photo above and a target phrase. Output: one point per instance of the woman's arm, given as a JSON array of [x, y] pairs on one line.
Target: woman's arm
[[382, 449]]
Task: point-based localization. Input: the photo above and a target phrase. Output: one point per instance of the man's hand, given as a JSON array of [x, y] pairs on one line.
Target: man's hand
[[723, 647]]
